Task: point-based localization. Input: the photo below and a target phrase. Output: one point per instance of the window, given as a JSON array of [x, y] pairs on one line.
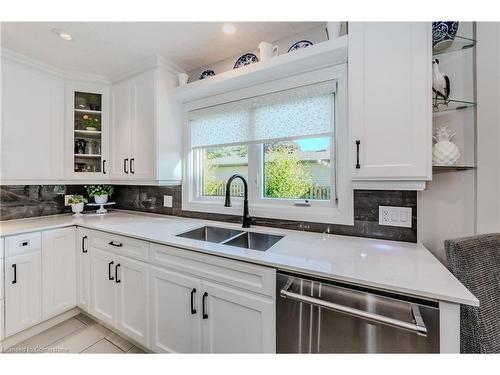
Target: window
[[283, 141]]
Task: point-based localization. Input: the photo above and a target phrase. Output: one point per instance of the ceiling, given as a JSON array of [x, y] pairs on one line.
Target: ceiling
[[113, 48]]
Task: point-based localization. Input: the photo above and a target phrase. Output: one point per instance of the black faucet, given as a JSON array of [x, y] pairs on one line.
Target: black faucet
[[247, 219]]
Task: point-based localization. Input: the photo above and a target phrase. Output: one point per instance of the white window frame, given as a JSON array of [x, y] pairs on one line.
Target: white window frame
[[338, 211]]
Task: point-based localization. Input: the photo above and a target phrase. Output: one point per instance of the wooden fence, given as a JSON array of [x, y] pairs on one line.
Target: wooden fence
[[315, 192]]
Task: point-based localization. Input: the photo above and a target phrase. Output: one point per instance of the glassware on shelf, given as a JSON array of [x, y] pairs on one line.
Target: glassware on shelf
[[80, 145], [443, 105], [460, 43]]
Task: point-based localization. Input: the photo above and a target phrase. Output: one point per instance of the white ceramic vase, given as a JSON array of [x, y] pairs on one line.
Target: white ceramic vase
[[183, 78], [266, 51], [101, 199], [77, 208]]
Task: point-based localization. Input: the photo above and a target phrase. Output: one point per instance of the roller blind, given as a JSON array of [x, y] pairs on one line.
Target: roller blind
[[305, 111]]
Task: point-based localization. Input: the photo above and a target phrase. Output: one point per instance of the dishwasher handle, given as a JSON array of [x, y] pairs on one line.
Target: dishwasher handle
[[418, 327]]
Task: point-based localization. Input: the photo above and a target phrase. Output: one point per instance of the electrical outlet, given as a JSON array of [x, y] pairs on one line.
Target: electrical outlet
[[66, 199], [167, 201], [394, 216]]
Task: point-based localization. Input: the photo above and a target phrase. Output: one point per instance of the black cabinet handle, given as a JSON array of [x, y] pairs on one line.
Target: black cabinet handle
[[116, 274], [205, 315], [112, 243], [103, 166], [14, 266], [83, 245], [193, 292], [109, 270], [132, 162], [125, 167], [357, 154]]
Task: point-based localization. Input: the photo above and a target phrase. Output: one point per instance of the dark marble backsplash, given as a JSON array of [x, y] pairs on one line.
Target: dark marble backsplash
[[37, 200]]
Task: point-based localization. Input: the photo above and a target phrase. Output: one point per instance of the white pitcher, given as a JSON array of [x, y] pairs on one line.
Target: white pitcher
[[183, 78], [266, 51], [333, 29]]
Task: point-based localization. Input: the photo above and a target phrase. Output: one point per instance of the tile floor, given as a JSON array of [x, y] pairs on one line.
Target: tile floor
[[80, 334]]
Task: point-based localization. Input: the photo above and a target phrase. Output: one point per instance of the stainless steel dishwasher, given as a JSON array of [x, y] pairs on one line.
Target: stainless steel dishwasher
[[319, 316]]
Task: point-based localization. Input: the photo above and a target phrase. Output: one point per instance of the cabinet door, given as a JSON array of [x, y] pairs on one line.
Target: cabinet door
[[237, 321], [58, 271], [390, 92], [23, 307], [132, 281], [175, 323], [103, 286], [32, 123], [120, 131], [83, 268], [143, 141]]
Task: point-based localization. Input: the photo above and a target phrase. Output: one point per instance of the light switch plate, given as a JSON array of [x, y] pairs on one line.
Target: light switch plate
[[167, 201], [394, 216], [66, 198]]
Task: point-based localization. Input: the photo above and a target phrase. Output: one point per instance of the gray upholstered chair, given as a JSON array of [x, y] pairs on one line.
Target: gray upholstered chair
[[475, 261]]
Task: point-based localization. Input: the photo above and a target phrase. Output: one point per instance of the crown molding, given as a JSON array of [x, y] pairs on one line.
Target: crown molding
[[152, 63], [50, 69]]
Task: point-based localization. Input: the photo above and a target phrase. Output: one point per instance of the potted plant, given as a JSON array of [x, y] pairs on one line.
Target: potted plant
[[90, 122], [77, 203], [100, 193]]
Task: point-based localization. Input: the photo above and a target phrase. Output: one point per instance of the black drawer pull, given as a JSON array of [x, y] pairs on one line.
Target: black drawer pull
[[104, 166], [112, 243], [205, 315], [14, 266], [116, 274], [193, 292], [83, 245], [132, 165], [357, 154], [125, 168], [109, 271], [24, 243]]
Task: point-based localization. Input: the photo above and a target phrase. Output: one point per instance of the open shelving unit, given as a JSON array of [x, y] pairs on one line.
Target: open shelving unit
[[459, 111]]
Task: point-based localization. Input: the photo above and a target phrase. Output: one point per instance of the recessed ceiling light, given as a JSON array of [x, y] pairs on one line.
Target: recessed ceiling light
[[229, 29], [62, 34]]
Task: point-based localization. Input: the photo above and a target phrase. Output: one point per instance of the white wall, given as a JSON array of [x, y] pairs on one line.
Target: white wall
[[457, 204]]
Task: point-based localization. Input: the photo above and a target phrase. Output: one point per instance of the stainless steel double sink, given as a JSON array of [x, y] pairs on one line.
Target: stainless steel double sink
[[233, 237]]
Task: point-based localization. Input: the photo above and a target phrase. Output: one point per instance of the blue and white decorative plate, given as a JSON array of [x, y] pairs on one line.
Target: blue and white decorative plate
[[443, 34], [207, 73], [246, 59], [300, 44]]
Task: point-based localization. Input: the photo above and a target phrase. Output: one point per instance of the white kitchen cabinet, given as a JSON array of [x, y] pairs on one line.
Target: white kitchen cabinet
[[58, 271], [145, 129], [32, 122], [23, 291], [102, 284], [390, 112], [235, 321], [86, 150], [132, 285], [1, 292], [83, 268], [175, 312]]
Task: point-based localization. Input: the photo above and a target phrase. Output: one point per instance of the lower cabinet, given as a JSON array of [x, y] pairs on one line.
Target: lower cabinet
[[83, 269], [191, 315], [58, 271], [120, 293], [23, 291]]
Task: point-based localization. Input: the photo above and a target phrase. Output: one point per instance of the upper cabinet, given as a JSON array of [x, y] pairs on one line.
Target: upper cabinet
[[87, 131], [32, 123], [390, 112], [145, 137]]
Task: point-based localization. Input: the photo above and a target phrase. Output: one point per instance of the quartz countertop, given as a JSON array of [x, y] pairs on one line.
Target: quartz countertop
[[388, 265]]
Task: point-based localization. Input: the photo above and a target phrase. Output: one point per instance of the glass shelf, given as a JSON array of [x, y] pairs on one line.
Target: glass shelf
[[459, 44], [444, 105], [87, 155], [451, 168]]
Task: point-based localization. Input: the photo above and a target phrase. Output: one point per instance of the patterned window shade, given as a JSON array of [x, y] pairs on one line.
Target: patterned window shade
[[307, 111]]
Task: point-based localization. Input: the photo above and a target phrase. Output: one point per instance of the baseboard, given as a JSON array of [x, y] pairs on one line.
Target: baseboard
[[32, 331]]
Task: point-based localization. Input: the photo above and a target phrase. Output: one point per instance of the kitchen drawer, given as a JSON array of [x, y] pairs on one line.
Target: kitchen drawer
[[23, 244], [230, 272], [126, 246]]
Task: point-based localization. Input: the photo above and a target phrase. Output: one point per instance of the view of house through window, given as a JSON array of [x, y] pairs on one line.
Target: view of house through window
[[297, 169], [220, 163]]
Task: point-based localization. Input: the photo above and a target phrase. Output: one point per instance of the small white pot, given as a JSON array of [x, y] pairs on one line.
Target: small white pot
[[100, 199], [77, 208]]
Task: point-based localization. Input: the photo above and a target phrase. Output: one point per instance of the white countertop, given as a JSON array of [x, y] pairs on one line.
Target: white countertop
[[389, 265]]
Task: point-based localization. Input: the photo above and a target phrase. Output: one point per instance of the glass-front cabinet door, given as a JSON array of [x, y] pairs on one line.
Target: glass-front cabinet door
[[88, 131]]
